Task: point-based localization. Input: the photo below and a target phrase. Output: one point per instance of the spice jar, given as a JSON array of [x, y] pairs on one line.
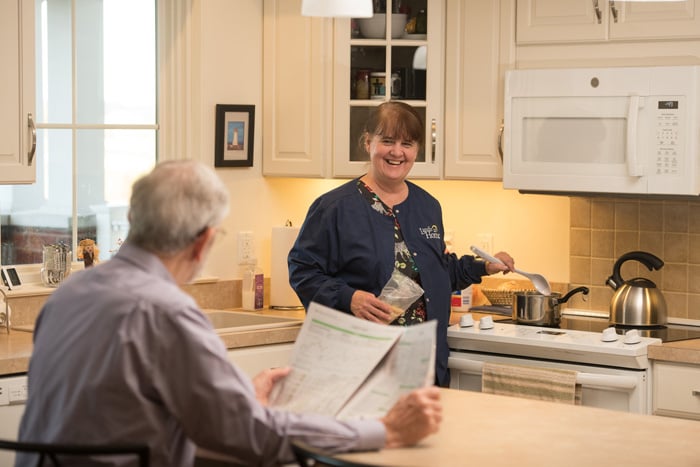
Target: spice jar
[[422, 22], [362, 84]]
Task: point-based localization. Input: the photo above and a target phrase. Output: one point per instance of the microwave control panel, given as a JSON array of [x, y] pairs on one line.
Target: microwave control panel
[[668, 140]]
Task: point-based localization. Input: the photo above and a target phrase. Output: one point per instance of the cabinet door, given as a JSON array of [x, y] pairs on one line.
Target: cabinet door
[[413, 63], [656, 20], [297, 89], [478, 32], [542, 21], [676, 390], [17, 135], [253, 360], [561, 21]]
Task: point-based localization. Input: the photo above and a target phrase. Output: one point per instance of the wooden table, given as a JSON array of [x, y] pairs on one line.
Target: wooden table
[[487, 430]]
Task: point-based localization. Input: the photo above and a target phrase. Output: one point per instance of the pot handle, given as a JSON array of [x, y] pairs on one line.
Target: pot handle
[[572, 292]]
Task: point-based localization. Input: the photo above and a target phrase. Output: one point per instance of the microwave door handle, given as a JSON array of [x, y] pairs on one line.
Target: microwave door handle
[[632, 118]]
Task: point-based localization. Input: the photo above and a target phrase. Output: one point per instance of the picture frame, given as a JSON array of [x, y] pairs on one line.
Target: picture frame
[[235, 132]]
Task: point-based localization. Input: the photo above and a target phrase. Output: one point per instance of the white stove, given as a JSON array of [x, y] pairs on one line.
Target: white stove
[[624, 351], [612, 365]]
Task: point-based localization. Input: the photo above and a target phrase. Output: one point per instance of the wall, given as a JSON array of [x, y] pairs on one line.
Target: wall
[[229, 35]]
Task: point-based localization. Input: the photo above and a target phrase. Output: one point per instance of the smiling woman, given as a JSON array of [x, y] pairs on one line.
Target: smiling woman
[[358, 236], [96, 127]]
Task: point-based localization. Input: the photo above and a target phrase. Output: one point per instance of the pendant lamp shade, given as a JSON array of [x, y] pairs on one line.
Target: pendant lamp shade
[[337, 8]]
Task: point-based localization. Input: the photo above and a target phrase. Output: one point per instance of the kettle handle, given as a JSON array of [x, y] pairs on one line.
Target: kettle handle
[[647, 259]]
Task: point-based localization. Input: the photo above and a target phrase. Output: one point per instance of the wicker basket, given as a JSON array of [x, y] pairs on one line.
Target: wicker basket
[[502, 297]]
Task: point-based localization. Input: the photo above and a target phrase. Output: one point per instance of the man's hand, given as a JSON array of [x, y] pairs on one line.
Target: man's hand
[[366, 306], [265, 380], [413, 417]]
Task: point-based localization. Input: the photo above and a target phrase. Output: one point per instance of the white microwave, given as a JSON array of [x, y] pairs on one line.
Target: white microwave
[[627, 130]]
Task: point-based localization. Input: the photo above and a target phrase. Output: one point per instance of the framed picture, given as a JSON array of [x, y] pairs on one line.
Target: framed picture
[[235, 125]]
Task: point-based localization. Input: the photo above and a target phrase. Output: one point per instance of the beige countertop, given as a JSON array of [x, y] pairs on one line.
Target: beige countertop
[[16, 347], [685, 351], [485, 429]]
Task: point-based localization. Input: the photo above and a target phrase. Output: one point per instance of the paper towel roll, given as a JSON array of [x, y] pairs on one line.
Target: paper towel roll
[[281, 293]]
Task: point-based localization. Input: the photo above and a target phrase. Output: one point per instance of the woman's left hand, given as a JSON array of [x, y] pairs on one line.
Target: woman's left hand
[[509, 264]]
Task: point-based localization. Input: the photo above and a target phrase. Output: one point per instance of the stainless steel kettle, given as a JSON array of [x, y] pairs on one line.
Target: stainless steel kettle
[[636, 302]]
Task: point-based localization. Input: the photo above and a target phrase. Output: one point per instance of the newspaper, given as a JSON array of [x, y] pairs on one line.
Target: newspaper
[[347, 367]]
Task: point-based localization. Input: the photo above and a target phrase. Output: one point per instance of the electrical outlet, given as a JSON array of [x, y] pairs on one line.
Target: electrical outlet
[[486, 242], [245, 246]]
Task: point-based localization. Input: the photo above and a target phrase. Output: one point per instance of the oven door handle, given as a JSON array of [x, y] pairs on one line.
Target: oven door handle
[[584, 379]]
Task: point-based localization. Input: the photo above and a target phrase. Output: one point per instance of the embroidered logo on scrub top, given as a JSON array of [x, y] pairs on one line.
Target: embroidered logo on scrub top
[[430, 233]]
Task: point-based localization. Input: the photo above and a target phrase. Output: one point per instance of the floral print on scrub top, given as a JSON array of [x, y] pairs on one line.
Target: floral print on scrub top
[[403, 258]]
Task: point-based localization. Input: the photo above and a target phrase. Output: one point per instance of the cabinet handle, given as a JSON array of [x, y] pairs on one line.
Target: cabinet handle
[[433, 135], [613, 10], [500, 141], [695, 392], [32, 128], [598, 13]]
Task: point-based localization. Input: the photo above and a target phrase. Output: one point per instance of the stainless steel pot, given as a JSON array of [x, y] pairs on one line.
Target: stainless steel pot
[[541, 310]]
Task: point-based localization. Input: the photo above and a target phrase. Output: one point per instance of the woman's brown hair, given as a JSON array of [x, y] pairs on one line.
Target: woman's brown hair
[[397, 120]]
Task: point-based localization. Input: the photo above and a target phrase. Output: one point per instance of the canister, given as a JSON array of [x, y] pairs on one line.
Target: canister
[[377, 85]]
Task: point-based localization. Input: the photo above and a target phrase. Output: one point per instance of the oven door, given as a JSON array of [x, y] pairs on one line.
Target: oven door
[[620, 389]]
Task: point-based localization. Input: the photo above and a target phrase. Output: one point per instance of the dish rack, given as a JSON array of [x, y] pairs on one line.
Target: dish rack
[[502, 297]]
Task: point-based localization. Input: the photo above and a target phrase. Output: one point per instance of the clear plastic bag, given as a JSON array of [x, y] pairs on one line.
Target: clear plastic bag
[[400, 292]]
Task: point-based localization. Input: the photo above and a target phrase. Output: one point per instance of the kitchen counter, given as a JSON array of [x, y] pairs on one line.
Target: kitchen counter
[[485, 429], [16, 347], [685, 351]]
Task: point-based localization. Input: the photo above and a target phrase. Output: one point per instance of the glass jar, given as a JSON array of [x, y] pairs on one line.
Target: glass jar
[[56, 265]]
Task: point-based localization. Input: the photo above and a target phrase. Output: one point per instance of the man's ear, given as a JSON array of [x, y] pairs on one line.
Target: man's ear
[[200, 243]]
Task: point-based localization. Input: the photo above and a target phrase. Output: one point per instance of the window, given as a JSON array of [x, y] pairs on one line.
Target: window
[[96, 127]]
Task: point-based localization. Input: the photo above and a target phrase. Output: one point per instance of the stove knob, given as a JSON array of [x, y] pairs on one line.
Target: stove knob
[[486, 322], [632, 337], [466, 321], [609, 335]]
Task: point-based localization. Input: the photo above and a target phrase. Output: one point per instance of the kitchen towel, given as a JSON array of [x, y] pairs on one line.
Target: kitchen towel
[[281, 293], [547, 384]]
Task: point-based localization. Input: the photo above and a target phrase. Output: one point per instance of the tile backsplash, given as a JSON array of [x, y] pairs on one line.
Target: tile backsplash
[[603, 229]]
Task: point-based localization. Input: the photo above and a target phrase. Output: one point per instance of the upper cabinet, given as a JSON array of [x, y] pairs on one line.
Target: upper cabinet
[[561, 21], [479, 48], [323, 77], [17, 132], [297, 90], [398, 54]]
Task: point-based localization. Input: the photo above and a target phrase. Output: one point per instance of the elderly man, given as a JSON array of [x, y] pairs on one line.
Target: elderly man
[[123, 355]]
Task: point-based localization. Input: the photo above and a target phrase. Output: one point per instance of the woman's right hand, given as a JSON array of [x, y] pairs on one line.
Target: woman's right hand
[[367, 306]]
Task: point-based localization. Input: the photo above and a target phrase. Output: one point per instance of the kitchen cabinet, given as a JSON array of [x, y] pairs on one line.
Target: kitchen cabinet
[[412, 66], [479, 48], [314, 112], [570, 21], [17, 132], [297, 90], [676, 390], [253, 360]]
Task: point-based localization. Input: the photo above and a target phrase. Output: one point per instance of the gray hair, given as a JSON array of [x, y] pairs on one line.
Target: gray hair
[[175, 203]]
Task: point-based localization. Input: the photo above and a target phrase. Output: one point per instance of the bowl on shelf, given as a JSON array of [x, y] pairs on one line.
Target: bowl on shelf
[[375, 27]]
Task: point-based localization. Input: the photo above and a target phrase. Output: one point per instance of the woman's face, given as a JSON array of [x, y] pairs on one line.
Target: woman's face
[[391, 159]]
